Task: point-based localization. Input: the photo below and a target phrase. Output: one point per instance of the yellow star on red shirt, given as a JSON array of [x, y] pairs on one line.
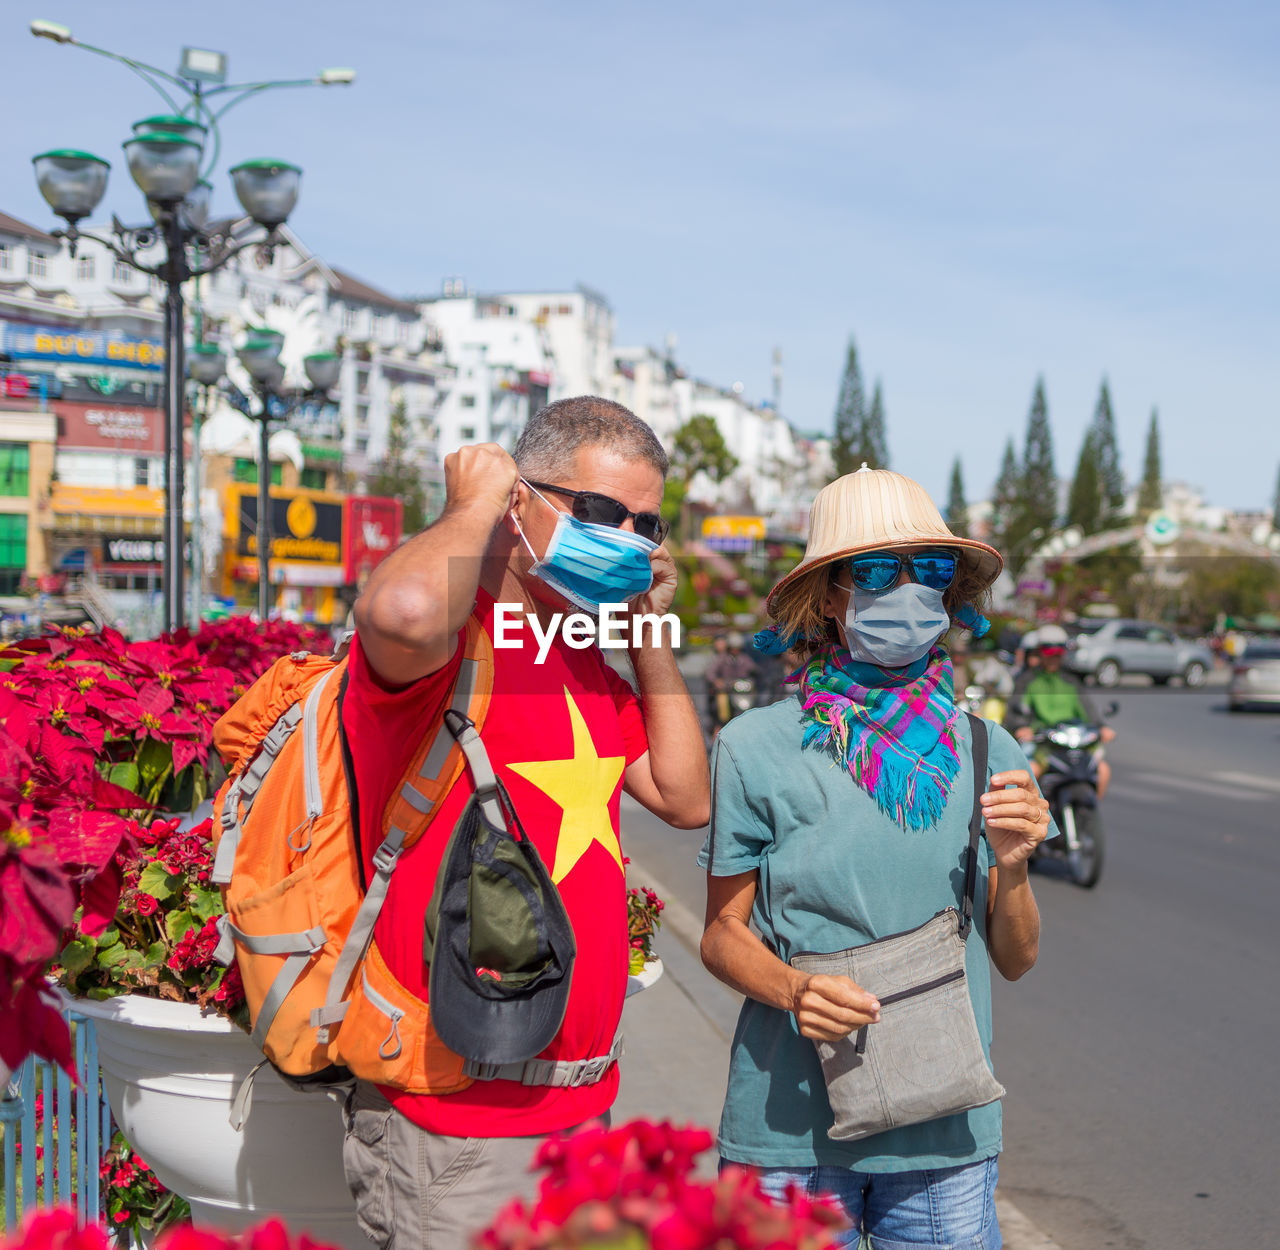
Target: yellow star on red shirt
[[582, 787]]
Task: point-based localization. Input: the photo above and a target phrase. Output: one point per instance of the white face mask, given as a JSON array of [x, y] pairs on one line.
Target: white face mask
[[895, 627]]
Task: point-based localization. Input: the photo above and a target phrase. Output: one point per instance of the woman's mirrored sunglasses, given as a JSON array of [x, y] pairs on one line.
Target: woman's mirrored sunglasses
[[602, 510], [875, 571]]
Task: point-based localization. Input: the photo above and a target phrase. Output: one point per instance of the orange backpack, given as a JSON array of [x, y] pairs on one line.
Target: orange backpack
[[299, 915]]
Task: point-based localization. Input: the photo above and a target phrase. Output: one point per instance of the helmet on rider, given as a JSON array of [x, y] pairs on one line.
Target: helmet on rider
[[1052, 639]]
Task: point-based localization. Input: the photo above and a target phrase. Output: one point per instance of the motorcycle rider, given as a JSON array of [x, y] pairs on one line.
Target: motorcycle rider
[[730, 664], [1044, 696]]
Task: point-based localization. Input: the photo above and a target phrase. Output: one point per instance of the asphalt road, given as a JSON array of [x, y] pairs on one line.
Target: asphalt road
[[1144, 1102]]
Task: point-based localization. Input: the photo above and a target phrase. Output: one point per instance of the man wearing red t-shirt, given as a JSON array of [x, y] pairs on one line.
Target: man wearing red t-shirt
[[566, 736]]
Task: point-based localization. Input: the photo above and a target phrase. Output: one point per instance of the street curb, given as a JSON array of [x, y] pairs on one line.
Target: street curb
[[1017, 1231]]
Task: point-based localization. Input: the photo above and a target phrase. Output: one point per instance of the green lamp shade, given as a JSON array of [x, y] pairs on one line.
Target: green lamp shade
[[264, 336], [206, 363], [171, 124], [267, 190], [72, 182], [165, 166], [274, 380], [322, 369], [260, 356]]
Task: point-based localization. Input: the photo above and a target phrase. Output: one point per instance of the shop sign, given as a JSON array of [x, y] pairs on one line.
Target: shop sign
[[98, 388], [112, 427], [373, 530], [304, 527], [733, 527], [126, 549], [30, 386], [96, 347]]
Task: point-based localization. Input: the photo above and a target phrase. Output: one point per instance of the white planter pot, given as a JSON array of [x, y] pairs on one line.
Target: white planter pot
[[171, 1074]]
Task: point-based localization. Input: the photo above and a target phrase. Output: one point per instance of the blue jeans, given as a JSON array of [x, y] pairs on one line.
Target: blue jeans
[[941, 1207]]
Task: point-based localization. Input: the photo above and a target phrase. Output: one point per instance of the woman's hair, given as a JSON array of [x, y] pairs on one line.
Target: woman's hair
[[798, 608]]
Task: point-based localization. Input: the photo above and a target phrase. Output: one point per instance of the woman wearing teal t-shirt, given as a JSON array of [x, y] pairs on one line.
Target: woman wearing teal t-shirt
[[840, 816]]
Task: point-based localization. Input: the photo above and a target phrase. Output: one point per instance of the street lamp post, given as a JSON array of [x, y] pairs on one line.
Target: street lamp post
[[261, 358], [164, 157], [206, 366]]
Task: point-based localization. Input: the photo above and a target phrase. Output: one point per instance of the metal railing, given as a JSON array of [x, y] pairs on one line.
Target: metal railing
[[53, 1158]]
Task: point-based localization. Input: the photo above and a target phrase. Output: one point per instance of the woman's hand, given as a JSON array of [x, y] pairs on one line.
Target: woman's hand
[[1017, 818], [828, 1008]]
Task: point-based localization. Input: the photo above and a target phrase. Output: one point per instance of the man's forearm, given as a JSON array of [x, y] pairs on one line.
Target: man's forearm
[[421, 595]]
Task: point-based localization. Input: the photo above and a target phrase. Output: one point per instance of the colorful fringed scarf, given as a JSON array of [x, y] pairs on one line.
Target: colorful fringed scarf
[[893, 729]]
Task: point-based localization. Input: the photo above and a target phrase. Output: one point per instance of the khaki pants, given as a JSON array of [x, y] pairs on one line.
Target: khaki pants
[[416, 1190]]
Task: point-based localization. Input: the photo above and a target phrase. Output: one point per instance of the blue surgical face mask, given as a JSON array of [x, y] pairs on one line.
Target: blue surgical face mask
[[592, 564], [896, 627]]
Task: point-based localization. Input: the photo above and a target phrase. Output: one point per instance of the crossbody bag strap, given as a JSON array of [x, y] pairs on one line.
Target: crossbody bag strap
[[978, 732]]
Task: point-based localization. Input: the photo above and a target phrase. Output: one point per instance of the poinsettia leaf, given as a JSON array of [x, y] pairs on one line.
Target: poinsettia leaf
[[206, 903], [154, 760], [100, 898], [39, 902], [112, 797], [87, 841], [178, 923], [200, 788], [184, 751], [154, 699], [159, 883], [125, 775], [31, 1024]]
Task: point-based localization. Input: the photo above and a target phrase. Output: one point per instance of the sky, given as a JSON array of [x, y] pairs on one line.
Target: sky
[[979, 194]]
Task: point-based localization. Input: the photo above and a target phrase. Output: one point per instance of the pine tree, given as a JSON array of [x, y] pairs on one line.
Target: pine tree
[[1084, 503], [398, 475], [1107, 454], [875, 446], [1036, 509], [1004, 496], [957, 509], [1151, 492], [850, 417]]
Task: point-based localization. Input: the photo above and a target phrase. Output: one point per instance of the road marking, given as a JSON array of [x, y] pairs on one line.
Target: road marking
[[1017, 1232], [1251, 779], [1213, 788]]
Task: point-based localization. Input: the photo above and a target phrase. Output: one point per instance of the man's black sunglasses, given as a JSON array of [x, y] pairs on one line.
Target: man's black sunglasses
[[602, 510]]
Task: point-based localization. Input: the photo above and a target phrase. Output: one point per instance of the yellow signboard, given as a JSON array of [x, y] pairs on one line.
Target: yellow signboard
[[733, 527], [139, 501]]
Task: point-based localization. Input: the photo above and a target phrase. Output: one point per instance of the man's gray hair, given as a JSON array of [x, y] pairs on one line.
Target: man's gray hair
[[555, 433]]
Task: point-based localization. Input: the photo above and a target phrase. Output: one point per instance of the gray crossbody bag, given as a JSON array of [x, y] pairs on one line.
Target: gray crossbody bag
[[924, 1059]]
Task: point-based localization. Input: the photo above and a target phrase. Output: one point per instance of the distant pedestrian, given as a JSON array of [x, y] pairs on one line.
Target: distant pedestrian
[[841, 817]]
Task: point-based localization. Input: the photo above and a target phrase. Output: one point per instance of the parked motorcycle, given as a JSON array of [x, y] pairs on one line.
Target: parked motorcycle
[[1070, 783]]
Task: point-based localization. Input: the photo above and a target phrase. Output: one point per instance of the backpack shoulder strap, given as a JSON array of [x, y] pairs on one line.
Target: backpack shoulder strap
[[435, 767], [438, 761]]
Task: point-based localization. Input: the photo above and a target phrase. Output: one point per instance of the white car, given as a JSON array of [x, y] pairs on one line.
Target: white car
[[1106, 650]]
